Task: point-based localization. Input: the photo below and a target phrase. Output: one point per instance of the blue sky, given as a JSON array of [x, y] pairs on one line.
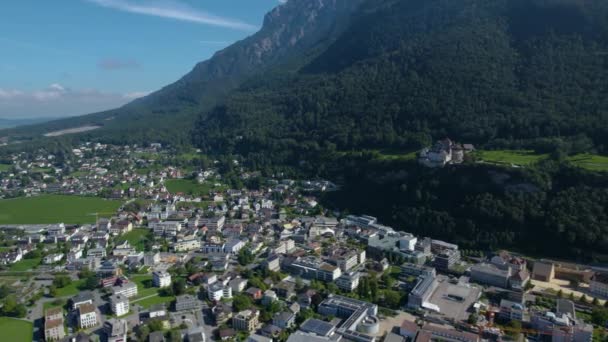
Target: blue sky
[[73, 57]]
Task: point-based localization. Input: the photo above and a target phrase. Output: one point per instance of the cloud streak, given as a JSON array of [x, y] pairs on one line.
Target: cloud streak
[[173, 10], [57, 100]]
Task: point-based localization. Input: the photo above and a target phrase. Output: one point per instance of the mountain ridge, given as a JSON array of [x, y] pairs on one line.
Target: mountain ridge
[[290, 29]]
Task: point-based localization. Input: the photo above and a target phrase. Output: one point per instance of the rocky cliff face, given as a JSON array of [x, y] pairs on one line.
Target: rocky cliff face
[[291, 28]]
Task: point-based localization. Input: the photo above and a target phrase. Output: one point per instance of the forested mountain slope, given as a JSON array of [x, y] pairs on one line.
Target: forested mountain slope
[[507, 72]]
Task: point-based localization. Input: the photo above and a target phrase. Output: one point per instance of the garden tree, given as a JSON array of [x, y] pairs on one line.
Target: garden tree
[[599, 316], [241, 302], [53, 291], [560, 293], [595, 301], [387, 279], [583, 298], [571, 296], [5, 290], [179, 286], [514, 328], [332, 288], [91, 282], [299, 283], [472, 318], [61, 281], [606, 304], [85, 273], [142, 332], [12, 308], [245, 257], [304, 314], [35, 254], [155, 325], [392, 299], [175, 336], [257, 282]]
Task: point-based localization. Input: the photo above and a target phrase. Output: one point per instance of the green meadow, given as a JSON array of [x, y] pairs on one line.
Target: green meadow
[[55, 209]]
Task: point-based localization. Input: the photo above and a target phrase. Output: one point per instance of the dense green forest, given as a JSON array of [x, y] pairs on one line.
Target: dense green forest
[[551, 209]]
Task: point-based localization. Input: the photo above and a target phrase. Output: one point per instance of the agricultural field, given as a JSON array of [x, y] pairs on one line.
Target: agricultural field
[[25, 265], [590, 162], [55, 209], [16, 329], [510, 157], [136, 238], [189, 186]]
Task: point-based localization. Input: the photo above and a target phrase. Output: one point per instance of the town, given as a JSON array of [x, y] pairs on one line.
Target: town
[[173, 250]]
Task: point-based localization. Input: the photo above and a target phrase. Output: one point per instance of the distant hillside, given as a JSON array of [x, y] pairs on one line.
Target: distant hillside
[[501, 72], [10, 123], [291, 30]]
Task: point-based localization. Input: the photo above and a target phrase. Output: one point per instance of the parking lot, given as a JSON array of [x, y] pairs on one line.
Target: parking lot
[[454, 299]]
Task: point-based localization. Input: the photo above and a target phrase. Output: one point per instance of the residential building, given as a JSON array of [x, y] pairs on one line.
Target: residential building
[[414, 270], [599, 285], [52, 258], [217, 291], [543, 271], [53, 324], [423, 290], [273, 263], [151, 258], [238, 284], [348, 281], [233, 246], [489, 274], [161, 279], [246, 320], [186, 303], [444, 260], [360, 319], [284, 320], [87, 316], [511, 310], [213, 248], [116, 330], [213, 223], [187, 244], [119, 305], [84, 297], [126, 289]]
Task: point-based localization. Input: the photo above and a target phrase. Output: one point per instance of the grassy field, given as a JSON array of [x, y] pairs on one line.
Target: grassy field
[[16, 330], [509, 157], [5, 167], [590, 162], [148, 302], [55, 304], [72, 289], [136, 238], [25, 264], [144, 285], [55, 209], [42, 169], [190, 187]]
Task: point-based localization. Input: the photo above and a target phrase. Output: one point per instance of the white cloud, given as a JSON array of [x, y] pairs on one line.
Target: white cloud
[[57, 100], [9, 93], [173, 10], [135, 95]]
